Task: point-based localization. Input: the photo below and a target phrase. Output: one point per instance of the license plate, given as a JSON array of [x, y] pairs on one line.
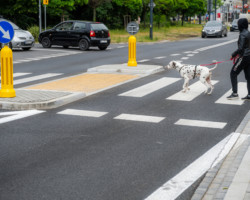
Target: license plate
[[104, 41], [28, 42]]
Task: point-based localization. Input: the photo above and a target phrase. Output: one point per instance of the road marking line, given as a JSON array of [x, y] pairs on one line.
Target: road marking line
[[120, 47], [160, 57], [185, 58], [188, 52], [196, 89], [199, 123], [177, 54], [190, 55], [150, 87], [216, 45], [82, 113], [18, 115], [140, 118], [184, 179], [18, 74], [35, 78], [242, 91], [143, 60]]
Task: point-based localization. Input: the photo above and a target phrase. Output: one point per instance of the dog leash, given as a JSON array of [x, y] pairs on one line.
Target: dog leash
[[216, 63], [233, 59]]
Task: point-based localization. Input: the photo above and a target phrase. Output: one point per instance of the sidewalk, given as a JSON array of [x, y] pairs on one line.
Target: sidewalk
[[60, 92], [230, 179]]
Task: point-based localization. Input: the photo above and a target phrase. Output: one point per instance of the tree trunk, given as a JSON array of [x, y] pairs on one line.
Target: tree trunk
[[183, 16], [94, 14]]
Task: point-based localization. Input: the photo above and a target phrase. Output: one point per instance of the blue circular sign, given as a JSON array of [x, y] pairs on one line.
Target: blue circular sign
[[6, 32]]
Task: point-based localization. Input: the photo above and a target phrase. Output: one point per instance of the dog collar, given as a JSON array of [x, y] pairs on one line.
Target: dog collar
[[181, 69], [195, 71]]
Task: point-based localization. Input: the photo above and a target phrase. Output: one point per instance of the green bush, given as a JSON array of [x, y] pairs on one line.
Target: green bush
[[34, 30]]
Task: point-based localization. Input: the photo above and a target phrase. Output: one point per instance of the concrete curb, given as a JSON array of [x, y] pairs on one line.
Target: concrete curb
[[54, 103], [222, 180]]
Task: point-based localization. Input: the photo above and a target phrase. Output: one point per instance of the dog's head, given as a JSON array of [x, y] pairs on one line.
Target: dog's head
[[172, 65]]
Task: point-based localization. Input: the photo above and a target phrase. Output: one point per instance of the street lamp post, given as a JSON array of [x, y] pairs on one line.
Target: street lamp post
[[151, 19], [40, 17]]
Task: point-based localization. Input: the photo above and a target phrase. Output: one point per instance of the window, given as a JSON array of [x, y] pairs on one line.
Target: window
[[65, 26], [79, 26]]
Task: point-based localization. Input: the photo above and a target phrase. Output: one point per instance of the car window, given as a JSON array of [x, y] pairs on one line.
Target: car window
[[213, 24], [235, 22], [79, 26], [64, 26], [98, 26]]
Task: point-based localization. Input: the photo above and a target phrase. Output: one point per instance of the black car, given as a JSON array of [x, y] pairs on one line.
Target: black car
[[214, 28], [234, 25], [76, 33]]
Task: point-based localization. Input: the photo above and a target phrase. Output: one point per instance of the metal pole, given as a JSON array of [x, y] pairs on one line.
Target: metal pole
[[45, 17], [215, 9], [151, 19], [209, 10], [242, 6], [40, 18]]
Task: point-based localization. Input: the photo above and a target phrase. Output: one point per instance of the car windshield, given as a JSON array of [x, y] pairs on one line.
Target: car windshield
[[212, 24], [235, 22], [15, 27], [98, 27]]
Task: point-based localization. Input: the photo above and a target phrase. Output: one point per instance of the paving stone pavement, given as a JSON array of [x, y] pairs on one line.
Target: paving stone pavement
[[230, 179]]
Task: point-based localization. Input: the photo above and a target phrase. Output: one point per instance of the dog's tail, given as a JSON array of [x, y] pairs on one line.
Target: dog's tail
[[216, 64]]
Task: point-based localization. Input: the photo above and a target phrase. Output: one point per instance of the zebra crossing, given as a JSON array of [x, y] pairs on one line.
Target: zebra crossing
[[53, 55], [19, 77], [196, 90]]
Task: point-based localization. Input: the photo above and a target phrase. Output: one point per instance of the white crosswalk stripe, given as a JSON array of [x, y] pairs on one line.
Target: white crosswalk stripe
[[242, 91], [46, 57], [35, 78], [18, 74], [196, 89], [82, 113], [150, 87], [140, 118], [199, 123]]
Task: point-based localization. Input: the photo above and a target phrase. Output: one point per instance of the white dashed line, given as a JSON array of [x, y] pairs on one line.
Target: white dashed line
[[82, 113], [141, 118], [185, 58], [160, 57], [143, 60], [177, 54], [199, 123]]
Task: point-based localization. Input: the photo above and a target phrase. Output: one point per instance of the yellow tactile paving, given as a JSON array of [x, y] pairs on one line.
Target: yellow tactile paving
[[85, 82]]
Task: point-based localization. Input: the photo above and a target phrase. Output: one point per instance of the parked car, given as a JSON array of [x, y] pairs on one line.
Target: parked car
[[234, 25], [214, 28], [22, 39], [76, 33]]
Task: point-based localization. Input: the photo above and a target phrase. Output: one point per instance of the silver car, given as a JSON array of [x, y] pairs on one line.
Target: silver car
[[22, 39]]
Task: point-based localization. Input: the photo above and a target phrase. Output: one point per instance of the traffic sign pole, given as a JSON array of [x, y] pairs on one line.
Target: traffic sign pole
[[151, 19], [45, 17], [40, 17]]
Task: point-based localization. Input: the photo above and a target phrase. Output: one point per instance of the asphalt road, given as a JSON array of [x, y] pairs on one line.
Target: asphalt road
[[54, 155]]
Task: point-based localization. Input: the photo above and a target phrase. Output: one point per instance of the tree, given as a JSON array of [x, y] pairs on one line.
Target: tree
[[59, 7], [181, 7], [21, 12], [94, 4]]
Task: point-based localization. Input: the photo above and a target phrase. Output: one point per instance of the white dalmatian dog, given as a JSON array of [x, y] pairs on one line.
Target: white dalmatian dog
[[191, 71]]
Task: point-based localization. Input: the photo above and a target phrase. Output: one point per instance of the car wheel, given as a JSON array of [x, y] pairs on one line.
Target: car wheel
[[65, 47], [83, 44], [26, 48], [102, 47], [225, 35], [46, 42], [0, 46]]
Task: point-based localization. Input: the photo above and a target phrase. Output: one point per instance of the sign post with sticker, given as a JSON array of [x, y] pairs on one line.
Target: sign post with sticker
[[6, 35], [132, 29]]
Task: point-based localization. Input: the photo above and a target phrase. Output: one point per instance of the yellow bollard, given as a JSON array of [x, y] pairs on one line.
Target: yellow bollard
[[7, 90], [132, 51]]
